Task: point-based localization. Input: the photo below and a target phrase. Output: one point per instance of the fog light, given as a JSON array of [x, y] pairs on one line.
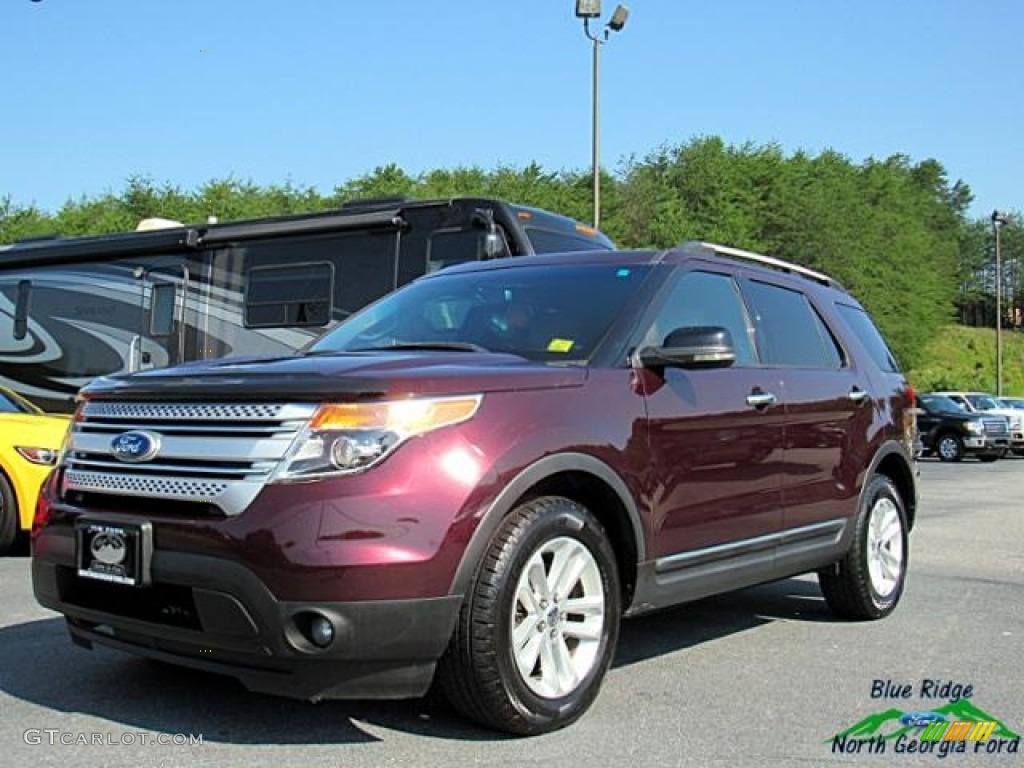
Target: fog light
[[321, 632]]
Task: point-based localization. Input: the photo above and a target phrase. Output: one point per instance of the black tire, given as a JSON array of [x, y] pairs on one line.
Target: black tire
[[860, 586], [988, 458], [9, 518], [479, 674], [949, 447]]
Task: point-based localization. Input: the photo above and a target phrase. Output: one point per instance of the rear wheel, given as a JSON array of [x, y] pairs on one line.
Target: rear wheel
[[538, 629], [9, 518], [868, 582], [950, 447]]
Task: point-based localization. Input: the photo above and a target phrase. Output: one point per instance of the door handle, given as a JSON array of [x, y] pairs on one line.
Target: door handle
[[761, 399], [857, 394]]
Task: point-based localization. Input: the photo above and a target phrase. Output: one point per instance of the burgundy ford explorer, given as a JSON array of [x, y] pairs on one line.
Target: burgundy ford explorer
[[469, 483]]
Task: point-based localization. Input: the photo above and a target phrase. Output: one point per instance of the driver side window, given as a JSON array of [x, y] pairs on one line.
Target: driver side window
[[703, 299]]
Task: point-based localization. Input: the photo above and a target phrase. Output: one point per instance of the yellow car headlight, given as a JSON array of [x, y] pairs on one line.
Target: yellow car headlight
[[44, 456]]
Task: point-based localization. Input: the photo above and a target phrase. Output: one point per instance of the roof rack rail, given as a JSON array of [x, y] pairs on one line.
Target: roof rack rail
[[771, 261]]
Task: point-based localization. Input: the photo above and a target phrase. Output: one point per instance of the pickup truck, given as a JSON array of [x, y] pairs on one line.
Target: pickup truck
[[951, 432], [984, 403]]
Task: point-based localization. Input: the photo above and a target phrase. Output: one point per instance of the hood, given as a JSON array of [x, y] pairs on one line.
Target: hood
[[340, 375]]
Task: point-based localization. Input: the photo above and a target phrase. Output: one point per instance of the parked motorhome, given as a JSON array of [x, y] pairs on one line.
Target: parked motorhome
[[72, 309]]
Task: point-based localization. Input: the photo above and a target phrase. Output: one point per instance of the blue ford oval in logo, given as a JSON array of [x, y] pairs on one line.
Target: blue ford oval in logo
[[135, 446]]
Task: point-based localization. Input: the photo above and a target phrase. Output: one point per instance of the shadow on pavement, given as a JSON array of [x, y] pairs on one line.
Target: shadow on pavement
[[42, 667]]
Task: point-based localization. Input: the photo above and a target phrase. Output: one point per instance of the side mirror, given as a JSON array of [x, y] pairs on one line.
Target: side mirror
[[493, 242], [705, 346]]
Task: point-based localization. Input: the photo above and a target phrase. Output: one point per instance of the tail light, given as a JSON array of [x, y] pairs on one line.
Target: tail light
[[910, 421]]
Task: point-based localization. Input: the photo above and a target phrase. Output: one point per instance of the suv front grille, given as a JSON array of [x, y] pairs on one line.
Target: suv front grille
[[220, 454]]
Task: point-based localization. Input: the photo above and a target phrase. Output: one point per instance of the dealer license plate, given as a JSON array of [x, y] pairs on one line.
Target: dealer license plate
[[117, 553]]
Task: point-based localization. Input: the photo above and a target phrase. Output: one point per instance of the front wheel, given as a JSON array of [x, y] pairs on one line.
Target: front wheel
[[538, 629], [9, 518], [950, 448], [868, 582]]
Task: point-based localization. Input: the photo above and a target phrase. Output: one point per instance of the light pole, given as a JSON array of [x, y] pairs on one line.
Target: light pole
[[587, 10], [999, 219]]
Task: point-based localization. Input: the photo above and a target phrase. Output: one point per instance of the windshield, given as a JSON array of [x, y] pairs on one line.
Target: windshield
[[13, 403], [940, 404], [983, 402], [542, 313]]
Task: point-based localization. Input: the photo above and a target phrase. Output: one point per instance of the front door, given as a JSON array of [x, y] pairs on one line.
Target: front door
[[716, 448]]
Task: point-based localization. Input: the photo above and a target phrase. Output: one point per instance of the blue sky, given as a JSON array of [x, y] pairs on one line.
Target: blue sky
[[317, 92]]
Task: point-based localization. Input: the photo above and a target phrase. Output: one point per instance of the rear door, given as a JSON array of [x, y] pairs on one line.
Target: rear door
[[829, 416]]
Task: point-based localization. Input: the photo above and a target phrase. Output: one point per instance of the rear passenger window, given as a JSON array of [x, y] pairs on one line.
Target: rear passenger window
[[789, 330]]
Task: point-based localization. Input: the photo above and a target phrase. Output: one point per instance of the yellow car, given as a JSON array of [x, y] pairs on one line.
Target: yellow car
[[30, 442]]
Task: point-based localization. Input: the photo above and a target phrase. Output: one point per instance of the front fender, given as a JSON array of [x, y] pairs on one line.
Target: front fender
[[493, 514]]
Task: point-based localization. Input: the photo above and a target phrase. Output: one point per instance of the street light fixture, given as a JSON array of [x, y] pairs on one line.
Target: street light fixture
[[587, 10], [999, 220]]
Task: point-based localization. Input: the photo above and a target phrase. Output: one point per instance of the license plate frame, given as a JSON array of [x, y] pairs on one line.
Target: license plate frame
[[114, 551]]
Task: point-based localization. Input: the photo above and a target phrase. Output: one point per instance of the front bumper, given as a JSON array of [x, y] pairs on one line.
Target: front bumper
[[986, 444], [217, 615]]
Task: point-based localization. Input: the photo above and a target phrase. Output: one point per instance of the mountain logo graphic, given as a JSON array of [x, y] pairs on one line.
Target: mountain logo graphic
[[888, 725]]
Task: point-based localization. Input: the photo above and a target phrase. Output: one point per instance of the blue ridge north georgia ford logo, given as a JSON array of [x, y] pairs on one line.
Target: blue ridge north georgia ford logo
[[135, 446]]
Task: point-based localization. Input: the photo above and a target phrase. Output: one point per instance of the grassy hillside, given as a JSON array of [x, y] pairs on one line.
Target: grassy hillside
[[965, 358]]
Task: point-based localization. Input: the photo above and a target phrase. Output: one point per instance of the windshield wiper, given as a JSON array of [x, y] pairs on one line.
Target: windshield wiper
[[455, 346]]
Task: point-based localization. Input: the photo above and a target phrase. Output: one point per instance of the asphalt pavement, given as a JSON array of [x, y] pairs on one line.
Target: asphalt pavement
[[765, 676]]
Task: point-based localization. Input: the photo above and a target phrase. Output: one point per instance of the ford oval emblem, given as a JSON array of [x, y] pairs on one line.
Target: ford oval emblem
[[136, 446]]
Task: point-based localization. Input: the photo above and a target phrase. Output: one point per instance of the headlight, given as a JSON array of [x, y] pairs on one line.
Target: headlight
[[343, 438], [44, 456], [975, 426]]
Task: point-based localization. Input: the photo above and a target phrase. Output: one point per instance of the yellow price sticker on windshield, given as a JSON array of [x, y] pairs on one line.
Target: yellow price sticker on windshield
[[560, 345]]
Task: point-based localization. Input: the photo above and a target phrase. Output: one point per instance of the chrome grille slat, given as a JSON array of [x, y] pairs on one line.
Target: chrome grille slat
[[211, 449], [219, 453]]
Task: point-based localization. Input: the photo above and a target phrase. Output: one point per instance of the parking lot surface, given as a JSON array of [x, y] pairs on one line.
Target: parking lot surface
[[765, 676]]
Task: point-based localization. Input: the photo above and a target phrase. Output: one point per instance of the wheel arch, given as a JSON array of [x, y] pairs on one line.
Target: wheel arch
[[6, 477], [893, 462], [582, 478]]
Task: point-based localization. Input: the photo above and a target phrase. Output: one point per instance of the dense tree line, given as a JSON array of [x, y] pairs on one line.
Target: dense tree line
[[895, 232]]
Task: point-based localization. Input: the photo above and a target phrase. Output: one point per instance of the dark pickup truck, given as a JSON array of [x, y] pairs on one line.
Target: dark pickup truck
[[951, 433]]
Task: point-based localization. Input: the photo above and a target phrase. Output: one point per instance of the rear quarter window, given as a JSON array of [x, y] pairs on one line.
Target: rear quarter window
[[864, 329]]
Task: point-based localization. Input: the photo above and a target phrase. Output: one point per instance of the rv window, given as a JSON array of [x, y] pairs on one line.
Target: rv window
[[21, 309], [546, 241], [161, 309], [296, 295]]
